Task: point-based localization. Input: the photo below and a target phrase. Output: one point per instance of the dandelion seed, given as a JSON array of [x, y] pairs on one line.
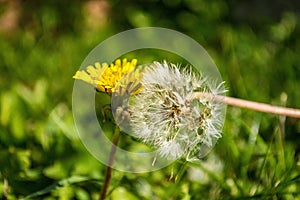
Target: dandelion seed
[[166, 115]]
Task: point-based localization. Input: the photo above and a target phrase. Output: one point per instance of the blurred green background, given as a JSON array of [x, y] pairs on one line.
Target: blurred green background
[[255, 44]]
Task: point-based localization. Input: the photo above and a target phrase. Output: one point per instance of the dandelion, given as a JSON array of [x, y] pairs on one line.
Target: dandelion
[[116, 81], [105, 77], [166, 115]]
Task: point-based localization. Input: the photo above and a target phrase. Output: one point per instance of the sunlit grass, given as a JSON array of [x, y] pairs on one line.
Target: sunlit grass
[[256, 158]]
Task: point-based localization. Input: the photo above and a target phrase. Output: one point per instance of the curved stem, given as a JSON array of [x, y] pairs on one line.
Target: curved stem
[[110, 163], [262, 107]]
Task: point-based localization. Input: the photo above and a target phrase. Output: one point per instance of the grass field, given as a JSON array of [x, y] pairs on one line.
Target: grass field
[[256, 47]]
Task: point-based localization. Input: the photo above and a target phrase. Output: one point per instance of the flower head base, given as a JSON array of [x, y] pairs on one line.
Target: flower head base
[[166, 114], [105, 77]]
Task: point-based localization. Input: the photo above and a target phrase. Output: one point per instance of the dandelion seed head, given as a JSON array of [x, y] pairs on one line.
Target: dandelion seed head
[[166, 116]]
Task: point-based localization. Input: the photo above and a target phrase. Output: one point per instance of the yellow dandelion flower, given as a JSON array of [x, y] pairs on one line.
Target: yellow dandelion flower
[[105, 77]]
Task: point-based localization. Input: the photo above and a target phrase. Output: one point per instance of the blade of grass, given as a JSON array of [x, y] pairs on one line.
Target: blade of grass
[[59, 184]]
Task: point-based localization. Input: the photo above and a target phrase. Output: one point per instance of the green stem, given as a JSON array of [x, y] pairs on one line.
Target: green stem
[[110, 163]]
